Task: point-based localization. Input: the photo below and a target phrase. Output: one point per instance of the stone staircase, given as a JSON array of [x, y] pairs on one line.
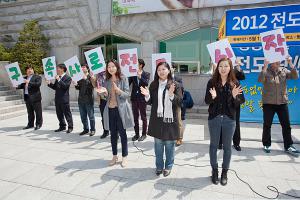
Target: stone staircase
[[11, 103], [197, 112]]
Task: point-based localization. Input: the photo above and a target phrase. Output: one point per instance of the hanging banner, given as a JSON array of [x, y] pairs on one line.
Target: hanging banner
[[253, 62], [74, 68], [49, 66], [243, 28], [95, 60], [14, 74], [124, 7], [128, 59]]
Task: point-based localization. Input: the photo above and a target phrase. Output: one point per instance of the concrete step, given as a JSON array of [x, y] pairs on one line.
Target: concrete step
[[10, 97], [12, 114], [4, 88], [11, 103], [8, 92], [14, 108]]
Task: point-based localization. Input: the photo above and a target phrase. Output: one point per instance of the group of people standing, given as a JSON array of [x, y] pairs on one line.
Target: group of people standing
[[165, 94]]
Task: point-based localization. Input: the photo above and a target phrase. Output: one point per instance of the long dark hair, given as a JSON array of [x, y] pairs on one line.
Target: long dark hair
[[231, 79], [118, 73], [156, 77]]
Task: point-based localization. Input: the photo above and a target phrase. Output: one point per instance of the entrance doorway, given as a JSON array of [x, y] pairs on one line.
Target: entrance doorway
[[110, 44]]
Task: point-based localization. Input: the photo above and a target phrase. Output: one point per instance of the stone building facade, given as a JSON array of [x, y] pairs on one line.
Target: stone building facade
[[72, 24]]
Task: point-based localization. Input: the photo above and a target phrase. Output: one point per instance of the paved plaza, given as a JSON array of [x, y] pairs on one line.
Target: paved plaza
[[43, 165]]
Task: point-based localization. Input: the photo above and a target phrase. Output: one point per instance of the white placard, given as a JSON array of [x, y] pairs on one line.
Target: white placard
[[274, 45], [128, 59], [221, 49], [49, 66], [74, 68], [95, 60], [14, 74]]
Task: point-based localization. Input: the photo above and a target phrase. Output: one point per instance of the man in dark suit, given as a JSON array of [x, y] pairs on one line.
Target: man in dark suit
[[33, 98], [62, 98], [138, 100]]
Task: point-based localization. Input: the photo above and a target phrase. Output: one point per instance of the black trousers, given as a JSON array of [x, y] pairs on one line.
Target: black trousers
[[237, 133], [34, 110], [63, 111], [139, 108], [282, 111], [116, 128], [102, 106]]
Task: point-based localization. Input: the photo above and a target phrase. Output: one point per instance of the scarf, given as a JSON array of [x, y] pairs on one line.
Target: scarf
[[164, 109]]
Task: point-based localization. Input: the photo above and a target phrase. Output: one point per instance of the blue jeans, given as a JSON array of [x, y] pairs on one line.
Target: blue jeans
[[228, 126], [87, 111], [115, 127], [159, 147]]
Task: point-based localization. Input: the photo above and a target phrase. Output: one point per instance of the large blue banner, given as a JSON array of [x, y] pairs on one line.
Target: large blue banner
[[254, 21], [253, 58], [242, 27]]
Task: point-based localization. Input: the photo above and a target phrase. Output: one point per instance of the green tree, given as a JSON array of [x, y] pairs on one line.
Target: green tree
[[5, 54], [31, 48]]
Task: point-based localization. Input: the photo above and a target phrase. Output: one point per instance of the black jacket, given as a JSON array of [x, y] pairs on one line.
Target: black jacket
[[62, 89], [34, 93], [86, 91], [216, 105], [136, 91], [239, 74], [157, 128]]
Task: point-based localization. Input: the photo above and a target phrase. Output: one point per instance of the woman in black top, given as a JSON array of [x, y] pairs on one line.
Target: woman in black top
[[224, 95]]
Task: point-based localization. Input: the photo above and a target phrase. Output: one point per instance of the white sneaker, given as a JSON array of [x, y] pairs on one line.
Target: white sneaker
[[293, 151], [267, 149]]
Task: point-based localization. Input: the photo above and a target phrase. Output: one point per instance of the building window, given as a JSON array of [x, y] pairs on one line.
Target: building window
[[189, 51], [110, 45]]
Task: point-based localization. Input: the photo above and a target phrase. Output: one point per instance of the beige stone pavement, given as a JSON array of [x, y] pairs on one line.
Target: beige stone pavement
[[45, 165]]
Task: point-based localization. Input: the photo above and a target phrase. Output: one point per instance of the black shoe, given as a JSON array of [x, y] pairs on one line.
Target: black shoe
[[104, 135], [142, 138], [167, 172], [158, 172], [92, 133], [69, 130], [135, 138], [215, 176], [60, 129], [27, 127], [237, 147], [224, 177], [220, 146], [83, 132], [37, 127]]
